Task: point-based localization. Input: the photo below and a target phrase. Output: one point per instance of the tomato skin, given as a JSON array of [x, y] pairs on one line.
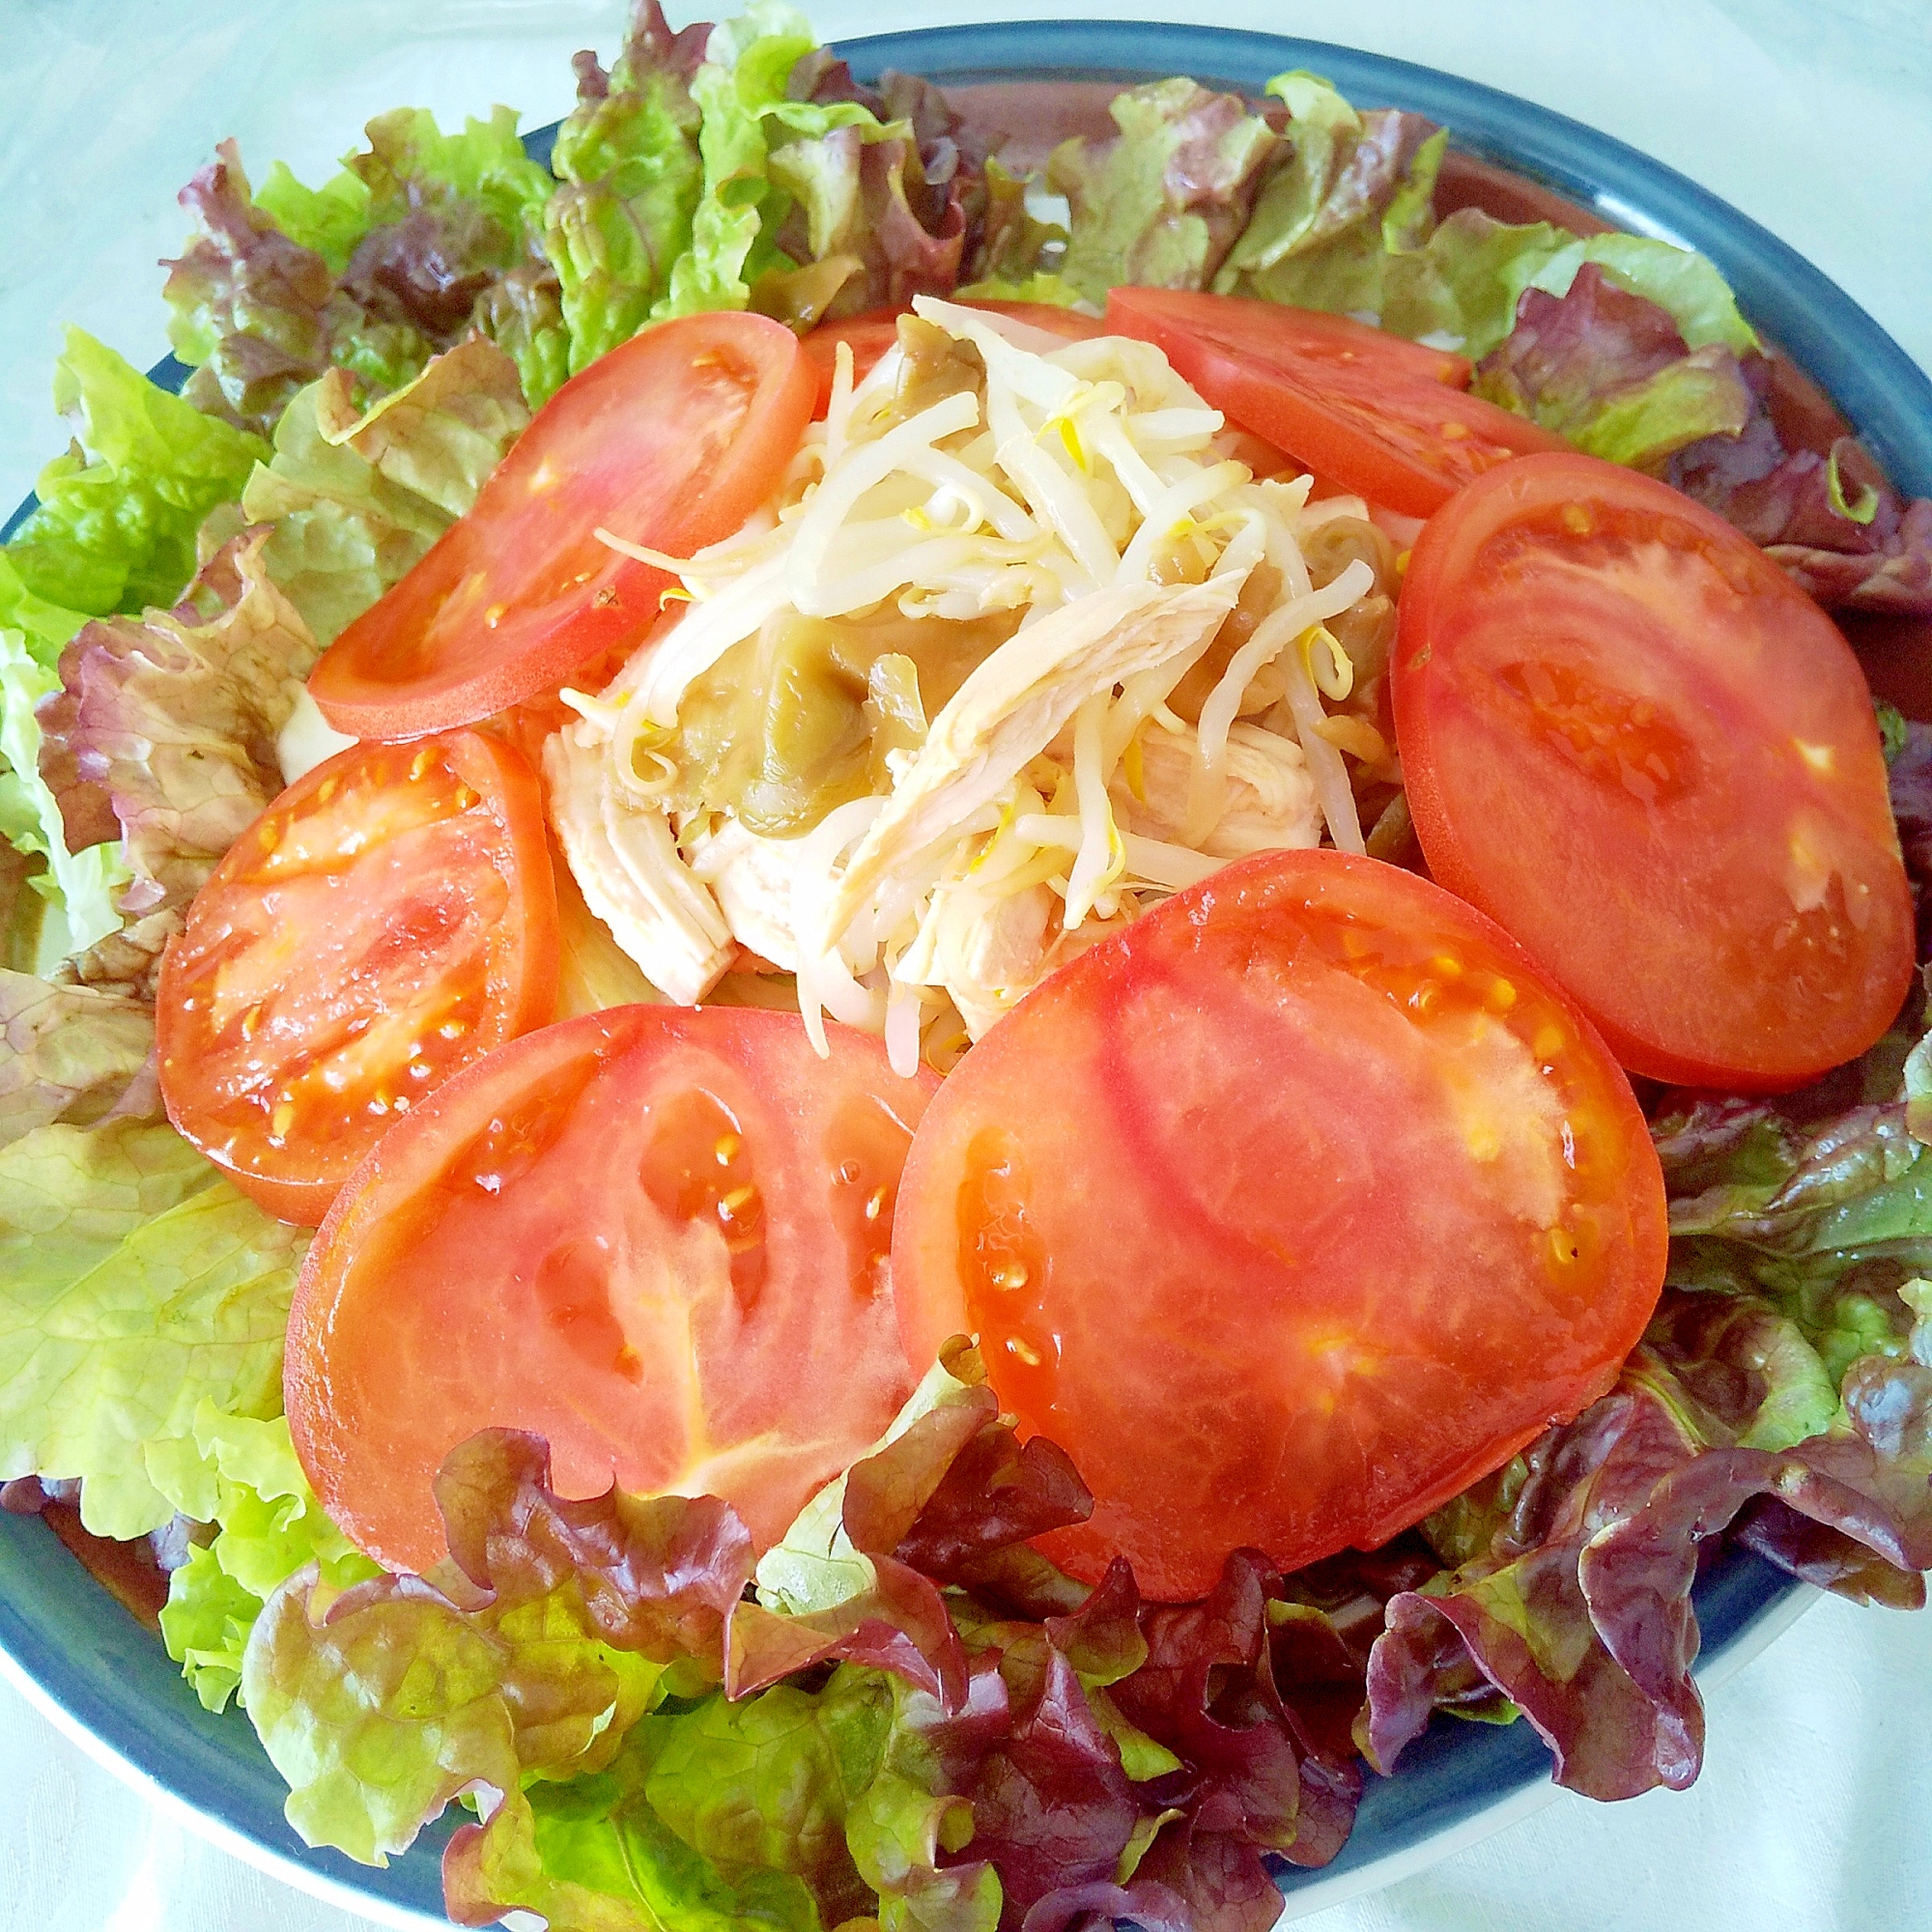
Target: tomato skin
[[1337, 343], [872, 334], [1631, 740], [670, 440], [1254, 1207], [655, 1236], [389, 919], [1370, 418]]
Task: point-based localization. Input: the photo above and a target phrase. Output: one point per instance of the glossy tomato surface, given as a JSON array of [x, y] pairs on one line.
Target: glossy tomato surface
[[1287, 1211], [656, 1237], [1337, 343], [671, 441], [388, 920], [1382, 418], [1637, 745]]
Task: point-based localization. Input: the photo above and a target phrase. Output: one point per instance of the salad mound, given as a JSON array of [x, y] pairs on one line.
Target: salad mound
[[900, 1456]]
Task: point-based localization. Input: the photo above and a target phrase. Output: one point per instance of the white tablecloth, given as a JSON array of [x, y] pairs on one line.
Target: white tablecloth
[[1814, 116]]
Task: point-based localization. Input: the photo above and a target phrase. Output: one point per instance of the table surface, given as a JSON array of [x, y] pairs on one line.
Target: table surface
[[1812, 116]]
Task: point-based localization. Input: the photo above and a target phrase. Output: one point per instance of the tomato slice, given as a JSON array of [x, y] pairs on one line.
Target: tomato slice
[[1637, 745], [1374, 413], [671, 439], [1338, 343], [657, 1237], [389, 919], [872, 334], [1287, 1211]]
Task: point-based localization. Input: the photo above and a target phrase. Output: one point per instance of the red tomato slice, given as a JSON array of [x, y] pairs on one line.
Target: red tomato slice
[[1339, 343], [1375, 416], [1635, 743], [871, 335], [389, 919], [671, 439], [1287, 1211], [657, 1237]]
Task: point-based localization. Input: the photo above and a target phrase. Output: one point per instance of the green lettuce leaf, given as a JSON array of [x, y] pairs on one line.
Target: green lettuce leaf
[[533, 1652], [1346, 224], [1164, 201], [115, 529], [630, 177], [1035, 288], [134, 1282], [815, 1566], [422, 236], [1677, 407], [410, 162], [77, 890], [745, 114], [356, 500], [1009, 262], [593, 1856], [44, 627], [326, 220], [1612, 372], [795, 1809], [1681, 283], [1345, 173], [244, 1478], [381, 1705], [164, 728], [69, 1054]]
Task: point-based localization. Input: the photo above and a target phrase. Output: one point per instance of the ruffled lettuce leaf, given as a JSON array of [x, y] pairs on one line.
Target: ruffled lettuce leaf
[[533, 1651], [115, 528], [1370, 178], [163, 728], [355, 499], [1577, 1605], [1016, 256], [43, 627], [455, 243], [134, 1282], [1163, 201], [76, 891], [1611, 370], [423, 236], [1782, 1395], [985, 1788], [69, 1055], [1347, 223], [764, 152], [886, 207], [327, 220], [712, 1817], [1682, 283], [248, 305], [630, 178], [1833, 521], [740, 165], [247, 1482]]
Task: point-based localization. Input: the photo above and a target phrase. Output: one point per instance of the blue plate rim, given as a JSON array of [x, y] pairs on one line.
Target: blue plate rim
[[124, 1701]]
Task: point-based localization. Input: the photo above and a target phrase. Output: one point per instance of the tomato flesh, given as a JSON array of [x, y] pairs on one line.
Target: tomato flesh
[[1336, 343], [656, 1237], [389, 919], [671, 441], [1632, 741], [1287, 1211], [1381, 418]]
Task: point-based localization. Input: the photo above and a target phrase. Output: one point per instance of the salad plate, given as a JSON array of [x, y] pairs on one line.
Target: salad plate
[[79, 1656]]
